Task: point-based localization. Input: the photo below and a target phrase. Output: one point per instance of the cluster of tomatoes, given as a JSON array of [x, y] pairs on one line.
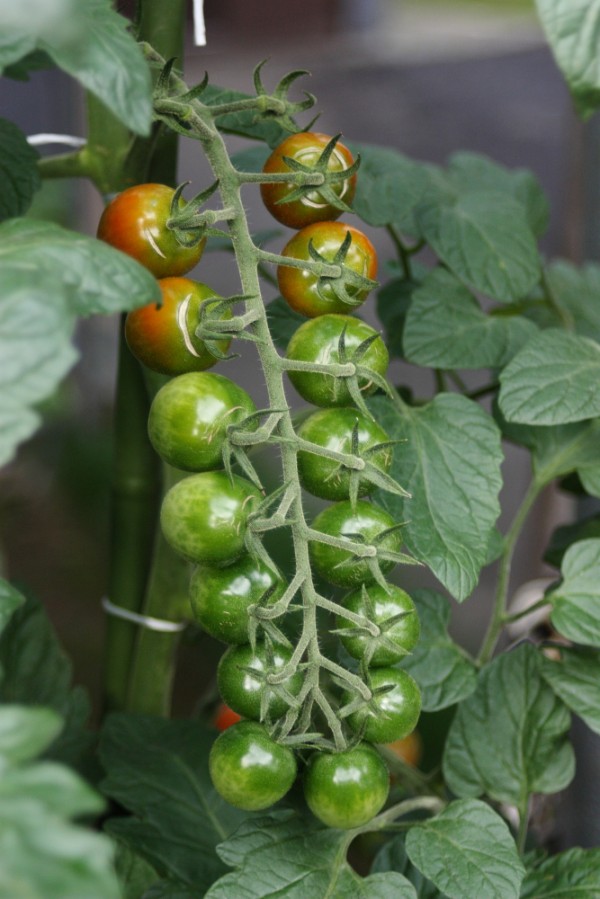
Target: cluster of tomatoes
[[205, 516]]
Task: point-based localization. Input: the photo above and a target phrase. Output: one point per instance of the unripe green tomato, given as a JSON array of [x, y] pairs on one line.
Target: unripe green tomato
[[164, 337], [249, 769], [333, 429], [204, 517], [396, 711], [318, 340], [221, 597], [404, 634], [189, 418], [341, 520], [346, 789], [310, 295], [243, 692]]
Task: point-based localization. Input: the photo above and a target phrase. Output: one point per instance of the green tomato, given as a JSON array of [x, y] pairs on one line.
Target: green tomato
[[189, 418], [379, 607], [366, 521], [396, 711], [249, 769], [204, 517], [346, 789], [333, 429], [318, 340], [221, 597], [244, 692]]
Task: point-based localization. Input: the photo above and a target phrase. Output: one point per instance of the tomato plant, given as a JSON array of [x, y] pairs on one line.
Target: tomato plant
[[135, 222], [346, 789], [312, 295], [249, 769], [476, 340], [298, 207], [163, 336], [189, 418]]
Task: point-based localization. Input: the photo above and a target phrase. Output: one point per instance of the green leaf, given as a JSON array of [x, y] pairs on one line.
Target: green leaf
[[252, 159], [590, 479], [245, 124], [574, 874], [485, 239], [74, 275], [573, 30], [567, 534], [450, 464], [135, 875], [510, 737], [170, 889], [474, 172], [392, 857], [24, 733], [446, 328], [467, 850], [158, 770], [54, 786], [19, 178], [575, 291], [575, 678], [393, 303], [32, 62], [389, 187], [576, 601], [10, 601], [90, 41], [283, 321], [440, 666], [284, 854], [34, 670], [553, 380]]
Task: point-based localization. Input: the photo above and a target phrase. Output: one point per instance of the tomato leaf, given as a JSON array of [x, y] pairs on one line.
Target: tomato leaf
[[576, 601], [572, 28], [467, 850], [43, 854], [393, 303], [286, 854], [567, 534], [450, 464], [485, 239], [19, 178], [590, 479], [510, 737], [283, 321], [245, 123], [553, 380], [573, 299], [392, 857], [575, 678], [74, 275], [446, 328], [158, 770], [566, 875], [440, 666]]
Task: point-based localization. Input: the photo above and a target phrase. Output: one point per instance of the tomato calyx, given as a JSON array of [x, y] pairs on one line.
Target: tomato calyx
[[349, 287], [330, 178], [191, 225]]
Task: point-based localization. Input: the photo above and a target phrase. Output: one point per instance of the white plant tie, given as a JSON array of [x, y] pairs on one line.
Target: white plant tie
[[38, 140], [152, 624], [199, 27]]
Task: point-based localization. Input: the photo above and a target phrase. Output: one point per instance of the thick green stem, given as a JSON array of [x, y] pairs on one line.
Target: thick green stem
[[499, 610]]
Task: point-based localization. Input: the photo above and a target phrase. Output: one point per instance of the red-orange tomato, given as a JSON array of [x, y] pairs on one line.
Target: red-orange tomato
[[225, 717], [313, 296], [163, 337], [306, 147], [135, 222], [409, 749]]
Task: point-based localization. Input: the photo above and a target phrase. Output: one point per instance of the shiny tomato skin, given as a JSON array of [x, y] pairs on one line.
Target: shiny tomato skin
[[332, 429], [306, 147], [135, 222], [396, 711], [341, 520], [249, 769], [163, 337], [404, 634], [346, 789], [204, 516], [189, 417], [303, 290], [317, 340], [243, 692], [221, 597]]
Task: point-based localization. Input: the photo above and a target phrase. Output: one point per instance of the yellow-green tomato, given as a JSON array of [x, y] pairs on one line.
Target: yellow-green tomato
[[221, 597], [394, 710], [337, 430], [346, 789], [393, 611], [189, 418], [204, 517], [242, 679], [249, 769]]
